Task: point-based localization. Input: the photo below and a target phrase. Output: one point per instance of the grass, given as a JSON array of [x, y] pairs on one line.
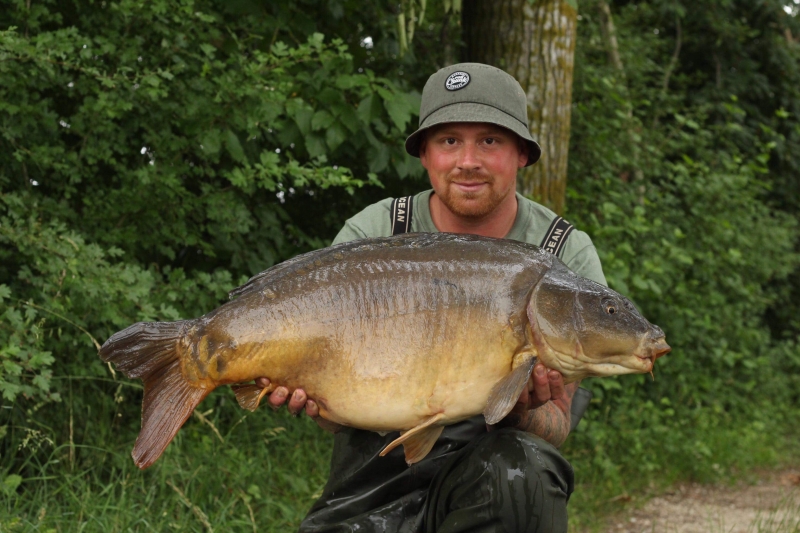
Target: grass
[[730, 455], [227, 470], [67, 467], [785, 518]]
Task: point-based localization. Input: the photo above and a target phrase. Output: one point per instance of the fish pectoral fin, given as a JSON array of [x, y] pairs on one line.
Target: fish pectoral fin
[[505, 392], [249, 396], [417, 441]]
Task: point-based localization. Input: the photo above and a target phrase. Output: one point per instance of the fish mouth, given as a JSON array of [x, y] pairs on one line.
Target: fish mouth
[[659, 348]]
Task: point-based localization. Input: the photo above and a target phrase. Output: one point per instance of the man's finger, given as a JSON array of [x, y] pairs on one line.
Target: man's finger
[[278, 397], [541, 386], [297, 401], [262, 383], [312, 409], [556, 385]]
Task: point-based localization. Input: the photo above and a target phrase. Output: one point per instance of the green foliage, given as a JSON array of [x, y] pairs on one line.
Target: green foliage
[[154, 155], [141, 176], [684, 199], [225, 471]]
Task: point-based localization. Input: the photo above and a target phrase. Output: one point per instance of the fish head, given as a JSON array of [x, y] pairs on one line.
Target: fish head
[[582, 329]]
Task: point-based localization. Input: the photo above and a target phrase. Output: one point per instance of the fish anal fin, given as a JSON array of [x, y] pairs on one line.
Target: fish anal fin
[[505, 392], [169, 400], [250, 396], [417, 441], [420, 444]]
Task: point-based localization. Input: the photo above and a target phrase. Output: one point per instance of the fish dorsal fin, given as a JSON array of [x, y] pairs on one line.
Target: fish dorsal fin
[[281, 271], [417, 441], [249, 396], [505, 392]]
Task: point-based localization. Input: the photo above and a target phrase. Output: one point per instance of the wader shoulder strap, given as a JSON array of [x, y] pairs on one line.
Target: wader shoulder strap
[[556, 235], [401, 211], [553, 242]]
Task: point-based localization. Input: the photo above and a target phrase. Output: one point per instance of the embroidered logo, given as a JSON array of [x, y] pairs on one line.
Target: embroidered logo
[[456, 80]]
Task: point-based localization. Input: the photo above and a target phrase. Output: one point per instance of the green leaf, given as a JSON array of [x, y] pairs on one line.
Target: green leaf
[[367, 109], [234, 146], [399, 111], [315, 145], [378, 158], [10, 484], [335, 136], [208, 50], [321, 120], [303, 117], [211, 142]]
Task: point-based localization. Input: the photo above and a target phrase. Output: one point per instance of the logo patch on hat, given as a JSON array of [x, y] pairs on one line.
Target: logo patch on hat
[[456, 80]]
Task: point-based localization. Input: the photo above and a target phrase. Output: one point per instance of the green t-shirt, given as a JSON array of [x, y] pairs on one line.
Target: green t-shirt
[[532, 222]]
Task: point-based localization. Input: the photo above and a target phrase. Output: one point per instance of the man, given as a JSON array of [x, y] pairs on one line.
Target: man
[[472, 139]]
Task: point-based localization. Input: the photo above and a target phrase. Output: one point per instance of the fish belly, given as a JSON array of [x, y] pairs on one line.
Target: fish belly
[[380, 344]]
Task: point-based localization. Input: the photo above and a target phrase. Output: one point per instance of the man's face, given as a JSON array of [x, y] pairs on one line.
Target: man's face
[[472, 166]]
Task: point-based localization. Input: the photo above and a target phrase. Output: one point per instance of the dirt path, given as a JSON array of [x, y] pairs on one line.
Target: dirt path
[[770, 506]]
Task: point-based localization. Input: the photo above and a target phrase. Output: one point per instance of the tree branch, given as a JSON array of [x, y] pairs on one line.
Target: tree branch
[[610, 37], [673, 62]]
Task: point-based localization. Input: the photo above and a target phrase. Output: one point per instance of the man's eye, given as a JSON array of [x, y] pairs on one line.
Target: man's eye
[[450, 141]]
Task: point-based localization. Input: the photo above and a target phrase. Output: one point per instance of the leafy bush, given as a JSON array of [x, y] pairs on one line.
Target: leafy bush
[[154, 155], [143, 177], [677, 188]]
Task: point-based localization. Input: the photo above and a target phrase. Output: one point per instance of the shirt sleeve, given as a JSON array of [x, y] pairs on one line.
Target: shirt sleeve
[[349, 232], [581, 257], [373, 221]]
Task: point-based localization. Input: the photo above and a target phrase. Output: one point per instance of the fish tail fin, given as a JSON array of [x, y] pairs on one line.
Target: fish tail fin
[[148, 350]]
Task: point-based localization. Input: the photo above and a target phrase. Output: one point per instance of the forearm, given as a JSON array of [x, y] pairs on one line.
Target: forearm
[[551, 421]]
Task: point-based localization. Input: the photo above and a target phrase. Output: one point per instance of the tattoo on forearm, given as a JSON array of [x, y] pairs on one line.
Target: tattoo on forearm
[[552, 420], [548, 422]]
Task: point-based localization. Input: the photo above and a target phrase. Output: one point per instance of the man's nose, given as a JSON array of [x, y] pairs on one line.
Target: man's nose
[[468, 158]]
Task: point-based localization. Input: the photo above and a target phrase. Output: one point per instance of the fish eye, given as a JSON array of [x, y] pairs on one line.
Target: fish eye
[[610, 307]]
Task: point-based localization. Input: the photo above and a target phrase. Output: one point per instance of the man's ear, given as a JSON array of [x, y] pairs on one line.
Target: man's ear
[[523, 153], [423, 150]]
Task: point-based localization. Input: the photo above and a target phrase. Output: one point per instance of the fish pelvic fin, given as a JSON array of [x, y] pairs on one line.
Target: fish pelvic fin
[[250, 396], [418, 441], [149, 351], [505, 393]]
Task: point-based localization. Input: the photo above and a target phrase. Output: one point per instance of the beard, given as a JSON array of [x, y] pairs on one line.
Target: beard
[[471, 204]]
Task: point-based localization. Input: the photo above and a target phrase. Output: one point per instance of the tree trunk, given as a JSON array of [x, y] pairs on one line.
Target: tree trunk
[[535, 43]]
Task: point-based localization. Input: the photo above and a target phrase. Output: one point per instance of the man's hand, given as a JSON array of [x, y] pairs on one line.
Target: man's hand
[[543, 386], [543, 407], [297, 401]]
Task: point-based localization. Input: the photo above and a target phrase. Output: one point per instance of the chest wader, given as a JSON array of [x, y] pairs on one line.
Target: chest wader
[[503, 481]]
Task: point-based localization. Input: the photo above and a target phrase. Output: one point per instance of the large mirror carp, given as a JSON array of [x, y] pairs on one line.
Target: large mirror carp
[[406, 333]]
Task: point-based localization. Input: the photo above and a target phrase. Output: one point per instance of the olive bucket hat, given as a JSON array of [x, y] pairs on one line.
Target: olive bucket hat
[[474, 92]]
